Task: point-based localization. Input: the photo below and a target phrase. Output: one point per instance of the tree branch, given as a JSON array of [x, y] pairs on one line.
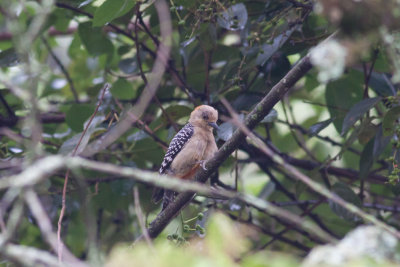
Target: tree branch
[[253, 118], [150, 89]]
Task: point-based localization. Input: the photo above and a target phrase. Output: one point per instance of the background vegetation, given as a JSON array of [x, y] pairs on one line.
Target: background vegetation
[[91, 93]]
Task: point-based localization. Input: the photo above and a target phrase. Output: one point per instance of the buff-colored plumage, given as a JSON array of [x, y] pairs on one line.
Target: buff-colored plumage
[[200, 147], [192, 145]]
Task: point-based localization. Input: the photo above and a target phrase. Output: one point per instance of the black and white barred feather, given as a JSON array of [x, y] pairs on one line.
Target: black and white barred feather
[[176, 145]]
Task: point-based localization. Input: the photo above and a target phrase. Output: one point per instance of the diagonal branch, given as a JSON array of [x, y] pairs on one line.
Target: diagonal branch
[[149, 91], [253, 118]]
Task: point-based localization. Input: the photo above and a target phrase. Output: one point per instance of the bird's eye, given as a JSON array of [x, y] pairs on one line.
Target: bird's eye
[[205, 117]]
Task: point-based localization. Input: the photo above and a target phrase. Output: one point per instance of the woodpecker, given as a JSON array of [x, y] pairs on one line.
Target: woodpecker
[[189, 149]]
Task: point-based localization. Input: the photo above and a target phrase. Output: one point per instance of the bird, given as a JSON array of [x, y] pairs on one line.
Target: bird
[[190, 148]]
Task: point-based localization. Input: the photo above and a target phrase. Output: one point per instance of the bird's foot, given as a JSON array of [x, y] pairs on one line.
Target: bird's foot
[[203, 164]]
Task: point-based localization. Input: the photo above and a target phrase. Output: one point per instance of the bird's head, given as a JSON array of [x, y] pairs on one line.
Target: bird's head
[[204, 116]]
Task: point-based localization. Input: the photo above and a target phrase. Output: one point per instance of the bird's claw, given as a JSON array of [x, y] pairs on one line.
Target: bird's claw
[[203, 164]]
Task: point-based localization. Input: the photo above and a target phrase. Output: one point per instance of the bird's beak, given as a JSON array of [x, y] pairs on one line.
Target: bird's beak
[[214, 125]]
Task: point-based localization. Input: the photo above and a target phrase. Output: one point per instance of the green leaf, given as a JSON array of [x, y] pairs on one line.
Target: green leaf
[[311, 82], [267, 50], [389, 121], [357, 111], [123, 89], [381, 84], [347, 194], [380, 142], [245, 101], [94, 40], [69, 145], [111, 9], [61, 20], [319, 126], [128, 65], [271, 116], [225, 130], [342, 94], [77, 115], [366, 159], [9, 58], [176, 112]]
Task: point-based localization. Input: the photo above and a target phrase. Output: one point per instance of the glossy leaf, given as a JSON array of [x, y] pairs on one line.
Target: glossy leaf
[[225, 131], [347, 194], [381, 84], [380, 142], [111, 9], [267, 50], [271, 116], [77, 142], [389, 121], [176, 112], [366, 159], [128, 65], [357, 111], [94, 39], [77, 115], [319, 126], [341, 95]]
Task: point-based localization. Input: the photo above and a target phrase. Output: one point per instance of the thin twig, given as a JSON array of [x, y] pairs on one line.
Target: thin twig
[[149, 91], [63, 70], [316, 187], [144, 127], [44, 223], [266, 231], [169, 64], [144, 78], [64, 192], [139, 215], [6, 36], [180, 81], [173, 183], [367, 77]]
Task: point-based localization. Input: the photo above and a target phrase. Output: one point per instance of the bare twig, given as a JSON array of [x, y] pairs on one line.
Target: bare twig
[[43, 118], [14, 219], [139, 215], [179, 80], [367, 77], [179, 185], [6, 36], [266, 231], [29, 256], [64, 193], [141, 125], [144, 78], [316, 187], [157, 72], [44, 223], [63, 69]]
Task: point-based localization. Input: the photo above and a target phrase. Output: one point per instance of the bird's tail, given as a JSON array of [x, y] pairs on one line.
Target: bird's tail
[[166, 195], [157, 195], [169, 196]]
